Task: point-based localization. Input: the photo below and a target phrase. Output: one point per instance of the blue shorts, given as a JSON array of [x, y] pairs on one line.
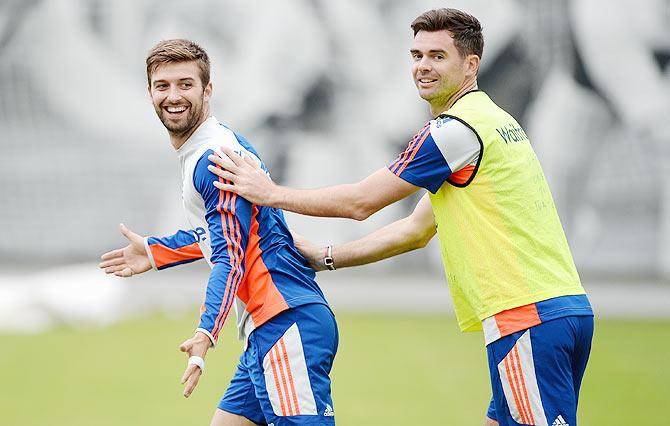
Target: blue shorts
[[536, 373], [283, 376]]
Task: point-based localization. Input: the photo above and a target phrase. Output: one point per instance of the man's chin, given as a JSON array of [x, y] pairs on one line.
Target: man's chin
[[431, 96], [175, 127], [427, 95]]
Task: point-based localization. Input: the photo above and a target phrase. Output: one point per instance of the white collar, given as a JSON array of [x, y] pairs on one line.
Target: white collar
[[205, 130]]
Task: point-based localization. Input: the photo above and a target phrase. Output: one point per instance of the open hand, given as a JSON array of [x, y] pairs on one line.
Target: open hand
[[310, 251], [129, 260], [244, 177]]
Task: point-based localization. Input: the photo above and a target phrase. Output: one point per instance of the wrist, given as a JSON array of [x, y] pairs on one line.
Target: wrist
[[201, 335], [327, 260], [150, 255], [278, 196]]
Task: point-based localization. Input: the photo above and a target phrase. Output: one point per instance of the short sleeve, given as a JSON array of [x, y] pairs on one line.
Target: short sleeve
[[443, 147]]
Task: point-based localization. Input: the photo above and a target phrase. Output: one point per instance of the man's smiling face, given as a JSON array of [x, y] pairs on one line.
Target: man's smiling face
[[178, 96], [438, 69]]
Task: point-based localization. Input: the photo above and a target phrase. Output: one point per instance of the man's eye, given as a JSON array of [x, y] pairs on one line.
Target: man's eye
[[186, 85]]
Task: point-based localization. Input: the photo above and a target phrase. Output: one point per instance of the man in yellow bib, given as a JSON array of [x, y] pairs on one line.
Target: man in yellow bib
[[509, 267]]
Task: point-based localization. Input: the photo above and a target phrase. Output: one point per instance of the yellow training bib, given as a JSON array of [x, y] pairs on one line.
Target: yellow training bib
[[501, 240]]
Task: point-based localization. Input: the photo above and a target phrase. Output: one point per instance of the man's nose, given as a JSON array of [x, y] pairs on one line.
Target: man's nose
[[173, 94], [424, 64]]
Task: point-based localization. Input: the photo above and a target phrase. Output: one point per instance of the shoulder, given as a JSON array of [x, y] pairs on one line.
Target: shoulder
[[447, 126], [221, 136], [238, 143], [451, 132]]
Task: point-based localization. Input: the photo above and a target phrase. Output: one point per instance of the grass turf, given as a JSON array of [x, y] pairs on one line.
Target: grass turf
[[390, 370]]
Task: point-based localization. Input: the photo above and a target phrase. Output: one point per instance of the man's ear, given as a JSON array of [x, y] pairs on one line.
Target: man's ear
[[208, 91], [472, 63]]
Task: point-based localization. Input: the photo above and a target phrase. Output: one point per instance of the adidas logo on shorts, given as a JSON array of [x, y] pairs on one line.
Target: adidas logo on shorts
[[328, 412], [559, 421]]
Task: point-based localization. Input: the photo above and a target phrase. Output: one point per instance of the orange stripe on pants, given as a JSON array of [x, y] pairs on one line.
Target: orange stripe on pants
[[513, 387], [290, 377], [517, 373], [279, 392], [283, 380], [523, 385]]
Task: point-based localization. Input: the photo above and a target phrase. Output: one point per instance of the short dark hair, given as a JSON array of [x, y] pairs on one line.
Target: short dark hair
[[465, 28], [178, 50]]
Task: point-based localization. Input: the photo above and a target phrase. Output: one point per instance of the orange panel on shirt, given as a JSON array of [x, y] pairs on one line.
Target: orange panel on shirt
[[462, 176], [165, 255], [258, 291], [515, 319]]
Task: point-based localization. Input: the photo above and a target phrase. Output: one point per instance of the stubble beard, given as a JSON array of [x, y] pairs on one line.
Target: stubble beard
[[439, 97], [176, 129]]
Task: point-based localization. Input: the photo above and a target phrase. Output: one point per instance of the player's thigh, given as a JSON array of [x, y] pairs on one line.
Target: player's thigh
[[224, 418], [240, 399], [532, 373], [296, 352]]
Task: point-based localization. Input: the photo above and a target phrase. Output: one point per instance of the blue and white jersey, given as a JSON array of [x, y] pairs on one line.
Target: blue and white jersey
[[255, 265]]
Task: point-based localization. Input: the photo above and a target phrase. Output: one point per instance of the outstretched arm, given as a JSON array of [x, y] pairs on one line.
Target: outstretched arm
[[143, 253], [177, 249], [407, 234], [355, 201], [129, 260], [444, 148]]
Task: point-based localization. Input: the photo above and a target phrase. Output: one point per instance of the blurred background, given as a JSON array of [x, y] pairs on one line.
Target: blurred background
[[323, 90]]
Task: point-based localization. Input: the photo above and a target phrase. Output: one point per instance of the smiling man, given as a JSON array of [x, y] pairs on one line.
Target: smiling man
[[509, 267], [289, 332]]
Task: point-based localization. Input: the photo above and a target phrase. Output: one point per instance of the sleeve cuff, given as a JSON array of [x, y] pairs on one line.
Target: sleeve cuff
[[211, 338], [149, 253], [431, 185]]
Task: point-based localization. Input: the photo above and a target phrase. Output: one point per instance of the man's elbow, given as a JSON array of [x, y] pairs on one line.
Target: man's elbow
[[421, 235], [360, 214], [424, 239], [360, 211], [362, 202]]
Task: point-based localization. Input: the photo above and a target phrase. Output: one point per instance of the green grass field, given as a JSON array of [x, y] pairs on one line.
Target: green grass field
[[390, 370]]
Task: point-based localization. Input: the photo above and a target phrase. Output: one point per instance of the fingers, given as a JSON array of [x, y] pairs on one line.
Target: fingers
[[232, 155], [112, 254], [112, 262], [225, 174], [123, 271], [115, 269], [226, 187], [186, 346], [187, 373], [191, 377], [223, 161], [126, 272], [130, 235], [115, 263], [251, 162], [124, 230]]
